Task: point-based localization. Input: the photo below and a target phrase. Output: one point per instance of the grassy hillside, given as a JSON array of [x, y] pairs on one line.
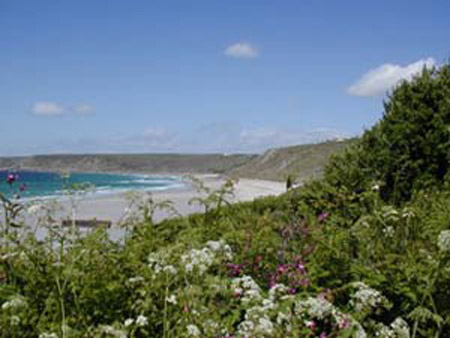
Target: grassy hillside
[[137, 163], [302, 162]]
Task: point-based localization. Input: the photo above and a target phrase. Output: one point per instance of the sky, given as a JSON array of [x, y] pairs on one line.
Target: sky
[[115, 76]]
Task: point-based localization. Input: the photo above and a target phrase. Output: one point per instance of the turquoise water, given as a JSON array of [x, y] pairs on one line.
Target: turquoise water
[[32, 184]]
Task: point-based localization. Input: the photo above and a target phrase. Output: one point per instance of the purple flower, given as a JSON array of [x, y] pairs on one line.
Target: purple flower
[[301, 268], [311, 324], [282, 269], [292, 291], [323, 216], [344, 323], [272, 280], [235, 269]]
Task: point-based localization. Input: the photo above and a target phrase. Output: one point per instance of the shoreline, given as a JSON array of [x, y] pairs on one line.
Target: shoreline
[[114, 206]]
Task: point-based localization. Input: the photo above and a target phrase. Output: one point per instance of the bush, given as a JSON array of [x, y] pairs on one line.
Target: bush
[[409, 148]]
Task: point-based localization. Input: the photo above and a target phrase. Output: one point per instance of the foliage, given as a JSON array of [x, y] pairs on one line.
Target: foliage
[[363, 252], [408, 149]]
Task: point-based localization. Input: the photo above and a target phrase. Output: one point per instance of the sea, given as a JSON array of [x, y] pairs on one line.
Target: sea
[[38, 184]]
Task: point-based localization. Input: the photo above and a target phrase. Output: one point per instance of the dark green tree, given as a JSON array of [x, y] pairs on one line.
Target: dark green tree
[[409, 148]]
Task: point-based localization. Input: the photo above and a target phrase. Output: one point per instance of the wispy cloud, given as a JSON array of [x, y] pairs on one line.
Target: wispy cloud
[[381, 79], [84, 109], [242, 50], [47, 108], [260, 139], [218, 137], [52, 108]]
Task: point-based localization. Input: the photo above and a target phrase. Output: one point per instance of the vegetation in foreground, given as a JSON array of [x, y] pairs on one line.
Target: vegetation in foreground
[[363, 252]]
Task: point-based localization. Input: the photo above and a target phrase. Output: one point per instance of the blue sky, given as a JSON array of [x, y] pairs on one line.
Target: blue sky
[[204, 75]]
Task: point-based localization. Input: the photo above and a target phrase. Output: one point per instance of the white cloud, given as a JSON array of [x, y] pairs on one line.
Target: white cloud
[[84, 109], [381, 79], [242, 50], [260, 139], [47, 108]]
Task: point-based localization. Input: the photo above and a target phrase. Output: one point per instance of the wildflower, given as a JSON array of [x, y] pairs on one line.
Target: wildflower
[[323, 216], [14, 304], [247, 289], [444, 241], [129, 322], [301, 267], [48, 335], [11, 178], [318, 308], [14, 320], [135, 280], [258, 326], [278, 291], [141, 321], [211, 325], [193, 330], [170, 269], [171, 299], [198, 259], [157, 262], [311, 324], [366, 298], [235, 269], [282, 269], [344, 322], [400, 328], [111, 331]]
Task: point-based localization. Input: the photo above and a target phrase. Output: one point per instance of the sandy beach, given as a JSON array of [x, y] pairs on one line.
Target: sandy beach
[[115, 207]]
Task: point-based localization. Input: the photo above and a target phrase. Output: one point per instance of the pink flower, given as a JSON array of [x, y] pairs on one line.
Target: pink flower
[[344, 323], [235, 269], [11, 178], [301, 268], [311, 324], [323, 335], [323, 216], [282, 269]]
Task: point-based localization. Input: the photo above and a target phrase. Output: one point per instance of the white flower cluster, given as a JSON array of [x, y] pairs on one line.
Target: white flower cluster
[[399, 328], [366, 298], [259, 326], [135, 280], [444, 241], [140, 321], [157, 262], [221, 247], [14, 304], [321, 309], [247, 289], [202, 259], [193, 330], [112, 331], [279, 291], [172, 299], [318, 308], [48, 335]]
